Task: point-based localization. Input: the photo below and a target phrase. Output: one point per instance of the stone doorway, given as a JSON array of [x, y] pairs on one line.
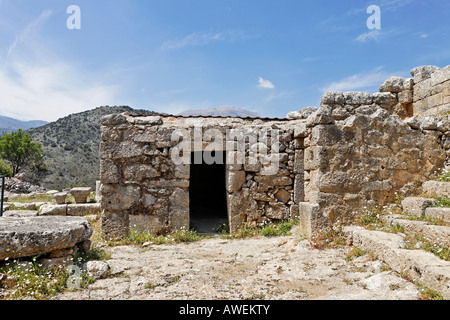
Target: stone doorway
[[207, 191]]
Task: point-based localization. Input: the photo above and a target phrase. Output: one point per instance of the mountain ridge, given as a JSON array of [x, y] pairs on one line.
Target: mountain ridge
[[8, 124]]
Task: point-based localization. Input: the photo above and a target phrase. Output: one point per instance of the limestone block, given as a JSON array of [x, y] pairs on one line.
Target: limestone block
[[312, 221], [438, 213], [321, 116], [423, 72], [438, 188], [405, 97], [300, 130], [301, 114], [85, 209], [384, 98], [325, 135], [60, 197], [440, 76], [146, 120], [416, 205], [283, 195], [20, 213], [53, 210], [396, 84], [31, 236], [299, 188], [97, 269], [115, 226], [80, 194], [109, 172], [235, 180], [119, 198], [137, 172], [357, 98], [180, 197], [332, 97], [276, 210], [113, 119]]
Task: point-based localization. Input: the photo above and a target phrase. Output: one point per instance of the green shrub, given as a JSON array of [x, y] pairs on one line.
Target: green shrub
[[5, 169]]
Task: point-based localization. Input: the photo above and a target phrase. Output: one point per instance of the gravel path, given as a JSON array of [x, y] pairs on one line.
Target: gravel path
[[256, 268]]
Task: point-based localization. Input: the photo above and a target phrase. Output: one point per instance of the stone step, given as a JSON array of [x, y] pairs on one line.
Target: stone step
[[438, 188], [438, 213], [439, 235], [424, 267], [416, 205]]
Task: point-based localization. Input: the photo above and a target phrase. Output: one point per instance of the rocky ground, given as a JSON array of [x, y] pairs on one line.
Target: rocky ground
[[256, 268]]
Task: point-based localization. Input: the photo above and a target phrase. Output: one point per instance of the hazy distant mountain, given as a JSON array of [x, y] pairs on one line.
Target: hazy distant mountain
[[71, 147], [9, 124], [224, 111]]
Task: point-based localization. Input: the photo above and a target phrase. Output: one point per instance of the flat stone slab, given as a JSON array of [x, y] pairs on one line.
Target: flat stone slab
[[20, 213], [31, 236]]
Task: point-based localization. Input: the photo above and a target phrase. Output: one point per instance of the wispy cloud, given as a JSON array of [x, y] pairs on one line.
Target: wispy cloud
[[266, 84], [364, 80], [367, 36], [201, 39], [36, 83]]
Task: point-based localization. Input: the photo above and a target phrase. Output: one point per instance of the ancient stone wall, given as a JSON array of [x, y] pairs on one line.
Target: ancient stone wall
[[144, 187], [363, 148], [357, 150]]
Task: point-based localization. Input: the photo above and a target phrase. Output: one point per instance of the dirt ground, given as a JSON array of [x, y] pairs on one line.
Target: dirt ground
[[256, 268]]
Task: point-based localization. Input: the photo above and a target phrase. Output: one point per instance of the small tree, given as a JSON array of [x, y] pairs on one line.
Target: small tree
[[19, 150]]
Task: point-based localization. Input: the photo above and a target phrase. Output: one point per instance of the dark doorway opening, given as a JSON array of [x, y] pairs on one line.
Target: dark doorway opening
[[207, 193]]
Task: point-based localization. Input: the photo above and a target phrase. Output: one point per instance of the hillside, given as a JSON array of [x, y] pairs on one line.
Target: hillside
[[71, 147], [224, 111], [10, 124]]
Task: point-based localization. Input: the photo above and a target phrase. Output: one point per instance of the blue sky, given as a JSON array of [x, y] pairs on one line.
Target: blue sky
[[270, 57]]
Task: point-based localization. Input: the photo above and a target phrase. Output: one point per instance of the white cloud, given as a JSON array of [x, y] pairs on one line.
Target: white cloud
[[371, 35], [370, 79], [200, 39], [35, 83], [263, 83]]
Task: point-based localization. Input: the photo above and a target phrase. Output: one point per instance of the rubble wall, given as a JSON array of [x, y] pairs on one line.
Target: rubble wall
[[143, 188]]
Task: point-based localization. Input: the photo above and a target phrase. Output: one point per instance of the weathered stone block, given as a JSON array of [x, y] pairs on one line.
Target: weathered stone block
[[60, 197], [357, 98], [396, 84], [312, 222], [53, 210], [80, 210], [405, 97], [31, 236], [119, 198], [276, 210], [283, 195], [438, 188], [438, 213], [80, 194], [137, 172], [235, 180], [115, 226], [416, 205], [423, 72]]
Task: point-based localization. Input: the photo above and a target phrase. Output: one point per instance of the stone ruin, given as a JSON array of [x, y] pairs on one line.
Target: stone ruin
[[161, 173]]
